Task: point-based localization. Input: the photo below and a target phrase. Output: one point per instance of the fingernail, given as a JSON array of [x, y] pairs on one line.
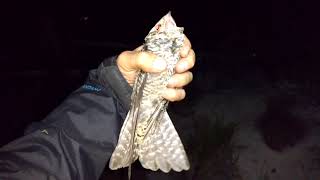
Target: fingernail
[[159, 65]]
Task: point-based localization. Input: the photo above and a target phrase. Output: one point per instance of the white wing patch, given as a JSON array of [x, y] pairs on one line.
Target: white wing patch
[[124, 153]]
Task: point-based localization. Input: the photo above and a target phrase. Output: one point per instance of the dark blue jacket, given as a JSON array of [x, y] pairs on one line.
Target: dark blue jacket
[[76, 140]]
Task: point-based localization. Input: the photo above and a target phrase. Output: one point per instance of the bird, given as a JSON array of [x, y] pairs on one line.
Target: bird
[[148, 133]]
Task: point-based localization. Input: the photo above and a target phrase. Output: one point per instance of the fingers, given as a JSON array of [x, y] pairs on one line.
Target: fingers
[[180, 80], [149, 62], [186, 63], [185, 48], [174, 94], [182, 76], [136, 60], [177, 81]]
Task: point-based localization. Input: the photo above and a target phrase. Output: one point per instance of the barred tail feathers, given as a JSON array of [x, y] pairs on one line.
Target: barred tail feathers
[[163, 149]]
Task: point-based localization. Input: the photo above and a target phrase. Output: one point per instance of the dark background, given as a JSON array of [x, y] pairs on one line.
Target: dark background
[[47, 48]]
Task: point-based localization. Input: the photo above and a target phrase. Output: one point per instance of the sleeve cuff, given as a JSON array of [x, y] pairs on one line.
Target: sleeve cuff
[[109, 75]]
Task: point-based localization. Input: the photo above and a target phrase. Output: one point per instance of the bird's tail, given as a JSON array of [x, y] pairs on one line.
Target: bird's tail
[[162, 148]]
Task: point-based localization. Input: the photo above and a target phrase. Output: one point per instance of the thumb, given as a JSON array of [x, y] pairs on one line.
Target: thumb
[[141, 60]]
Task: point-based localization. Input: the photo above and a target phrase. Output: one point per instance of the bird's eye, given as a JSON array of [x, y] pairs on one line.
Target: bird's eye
[[158, 27]]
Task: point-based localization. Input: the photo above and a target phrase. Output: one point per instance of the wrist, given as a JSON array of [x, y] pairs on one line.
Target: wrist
[[109, 75]]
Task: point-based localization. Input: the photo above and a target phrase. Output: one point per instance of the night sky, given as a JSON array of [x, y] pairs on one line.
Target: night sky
[[48, 32]]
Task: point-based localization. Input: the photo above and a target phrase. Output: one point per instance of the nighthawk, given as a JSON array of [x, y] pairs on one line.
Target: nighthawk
[[147, 133]]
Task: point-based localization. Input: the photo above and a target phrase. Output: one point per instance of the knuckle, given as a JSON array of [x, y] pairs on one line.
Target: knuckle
[[143, 60], [124, 58], [141, 56], [123, 55]]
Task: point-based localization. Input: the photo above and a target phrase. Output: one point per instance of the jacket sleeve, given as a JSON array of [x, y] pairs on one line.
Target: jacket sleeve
[[76, 140]]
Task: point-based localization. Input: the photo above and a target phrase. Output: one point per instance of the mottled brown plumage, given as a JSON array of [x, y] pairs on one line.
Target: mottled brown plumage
[[148, 133]]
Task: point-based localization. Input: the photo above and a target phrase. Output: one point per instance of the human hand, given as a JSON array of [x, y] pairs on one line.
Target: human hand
[[130, 62]]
